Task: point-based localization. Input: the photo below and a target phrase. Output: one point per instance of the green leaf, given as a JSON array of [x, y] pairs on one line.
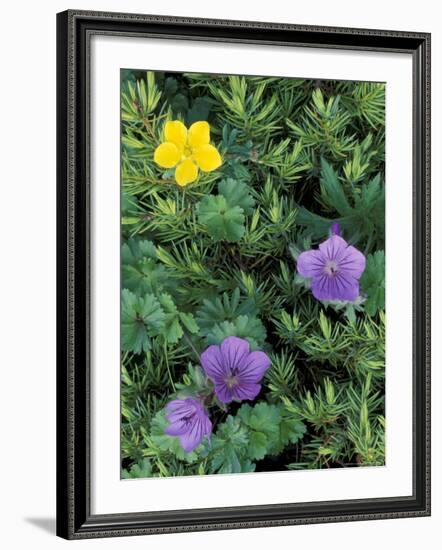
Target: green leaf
[[271, 429], [223, 222], [250, 328], [179, 104], [141, 318], [332, 191], [263, 418], [218, 309], [373, 282], [365, 221], [129, 205], [195, 382], [263, 422], [200, 109], [237, 193], [258, 445], [291, 430], [170, 86], [138, 470], [172, 331], [189, 322], [228, 448], [140, 271]]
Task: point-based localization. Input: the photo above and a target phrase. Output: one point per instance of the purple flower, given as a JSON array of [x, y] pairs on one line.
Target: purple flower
[[188, 419], [235, 371], [334, 269], [335, 229]]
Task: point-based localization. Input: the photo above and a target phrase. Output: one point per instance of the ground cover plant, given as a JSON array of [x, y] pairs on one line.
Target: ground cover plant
[[253, 267]]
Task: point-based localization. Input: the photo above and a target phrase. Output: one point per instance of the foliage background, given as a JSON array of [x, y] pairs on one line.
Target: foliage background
[[302, 154]]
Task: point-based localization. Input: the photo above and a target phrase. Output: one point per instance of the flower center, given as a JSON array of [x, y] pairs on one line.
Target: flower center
[[331, 268], [188, 419], [231, 381], [187, 152]]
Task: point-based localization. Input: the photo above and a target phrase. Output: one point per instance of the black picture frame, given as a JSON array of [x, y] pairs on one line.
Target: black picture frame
[[74, 519]]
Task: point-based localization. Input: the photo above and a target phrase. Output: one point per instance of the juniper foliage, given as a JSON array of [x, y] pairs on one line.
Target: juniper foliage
[[217, 258]]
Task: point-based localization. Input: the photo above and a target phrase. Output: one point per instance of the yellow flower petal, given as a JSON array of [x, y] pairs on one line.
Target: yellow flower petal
[[207, 158], [176, 132], [167, 155], [199, 134], [186, 172]]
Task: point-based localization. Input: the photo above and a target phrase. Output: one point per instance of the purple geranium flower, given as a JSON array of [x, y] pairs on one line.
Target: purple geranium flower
[[235, 371], [334, 269], [188, 419]]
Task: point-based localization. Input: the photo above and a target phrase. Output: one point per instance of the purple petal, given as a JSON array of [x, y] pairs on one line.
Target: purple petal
[[193, 437], [179, 408], [335, 288], [253, 367], [223, 392], [180, 404], [247, 390], [189, 421], [213, 363], [310, 263], [206, 424], [334, 248], [335, 269], [178, 427], [335, 229], [234, 350], [353, 263]]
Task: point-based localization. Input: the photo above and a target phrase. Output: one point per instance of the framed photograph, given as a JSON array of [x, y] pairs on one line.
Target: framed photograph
[[243, 274]]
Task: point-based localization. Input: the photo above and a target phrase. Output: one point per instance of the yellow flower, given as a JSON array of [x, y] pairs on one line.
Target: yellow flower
[[188, 150]]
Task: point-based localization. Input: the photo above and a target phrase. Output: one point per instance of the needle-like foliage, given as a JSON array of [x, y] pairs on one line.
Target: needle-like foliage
[[218, 258]]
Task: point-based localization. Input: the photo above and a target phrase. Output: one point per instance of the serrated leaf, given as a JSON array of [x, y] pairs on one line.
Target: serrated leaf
[[236, 169], [373, 282], [138, 470], [291, 430], [141, 318], [364, 221], [179, 103], [370, 193], [140, 271], [173, 330], [200, 109], [258, 445], [250, 328], [237, 193], [223, 222], [189, 322], [222, 308], [275, 429], [332, 191], [262, 417], [228, 448]]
